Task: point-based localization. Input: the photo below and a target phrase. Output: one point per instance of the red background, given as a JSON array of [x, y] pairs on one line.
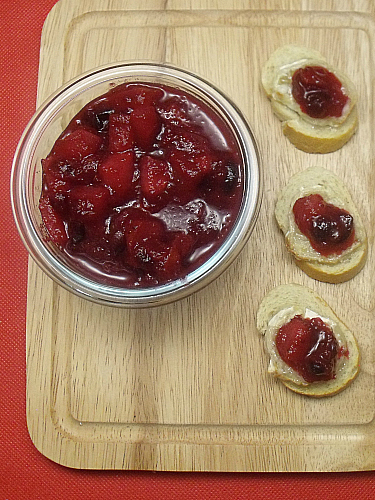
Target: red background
[[24, 472]]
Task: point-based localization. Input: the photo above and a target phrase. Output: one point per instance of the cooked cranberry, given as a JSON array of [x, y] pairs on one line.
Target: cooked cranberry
[[318, 92], [329, 229], [101, 120], [309, 347], [98, 118], [76, 231]]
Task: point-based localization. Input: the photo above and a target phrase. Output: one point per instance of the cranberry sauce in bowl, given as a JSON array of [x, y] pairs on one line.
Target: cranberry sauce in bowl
[[142, 186], [136, 184]]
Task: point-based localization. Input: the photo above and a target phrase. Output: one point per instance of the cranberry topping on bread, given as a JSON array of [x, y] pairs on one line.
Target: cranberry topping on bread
[[311, 350], [326, 237], [315, 102]]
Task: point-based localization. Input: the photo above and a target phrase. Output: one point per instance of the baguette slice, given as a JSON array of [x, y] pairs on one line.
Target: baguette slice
[[279, 306], [333, 268], [312, 135]]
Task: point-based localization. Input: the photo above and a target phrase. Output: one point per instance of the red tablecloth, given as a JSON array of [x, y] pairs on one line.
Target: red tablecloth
[[24, 472]]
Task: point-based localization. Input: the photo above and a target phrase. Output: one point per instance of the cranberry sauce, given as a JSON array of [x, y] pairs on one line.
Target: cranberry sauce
[[309, 347], [329, 229], [142, 186], [318, 92]]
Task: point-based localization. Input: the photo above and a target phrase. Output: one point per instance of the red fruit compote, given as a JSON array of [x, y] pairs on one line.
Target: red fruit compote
[[142, 186]]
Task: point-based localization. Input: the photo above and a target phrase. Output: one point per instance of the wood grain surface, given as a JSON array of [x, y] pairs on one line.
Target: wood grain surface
[[185, 386]]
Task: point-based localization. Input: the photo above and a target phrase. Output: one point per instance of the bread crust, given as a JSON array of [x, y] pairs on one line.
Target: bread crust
[[300, 298], [311, 135], [319, 140], [335, 268]]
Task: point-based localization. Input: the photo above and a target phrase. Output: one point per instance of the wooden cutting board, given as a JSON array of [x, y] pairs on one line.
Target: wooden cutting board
[[185, 386]]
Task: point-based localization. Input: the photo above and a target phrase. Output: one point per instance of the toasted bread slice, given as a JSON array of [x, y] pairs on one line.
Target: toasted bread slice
[[278, 307], [334, 268], [312, 135]]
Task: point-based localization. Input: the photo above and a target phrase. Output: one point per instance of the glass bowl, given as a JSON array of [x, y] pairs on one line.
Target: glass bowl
[[49, 122]]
